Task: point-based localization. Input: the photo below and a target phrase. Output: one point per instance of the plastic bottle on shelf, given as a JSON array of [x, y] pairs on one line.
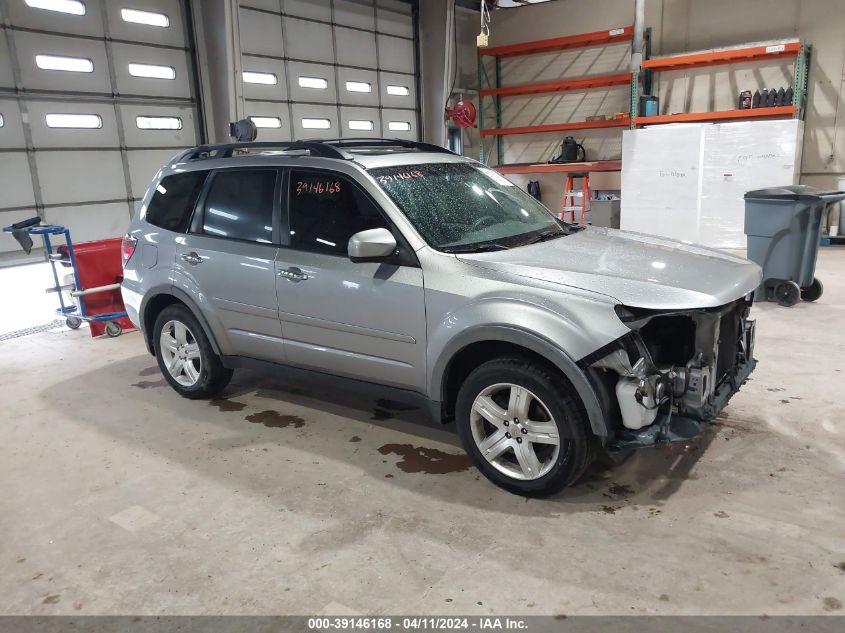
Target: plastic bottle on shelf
[[772, 100]]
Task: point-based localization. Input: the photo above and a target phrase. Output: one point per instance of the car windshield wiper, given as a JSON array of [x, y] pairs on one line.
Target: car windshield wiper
[[545, 236], [478, 248]]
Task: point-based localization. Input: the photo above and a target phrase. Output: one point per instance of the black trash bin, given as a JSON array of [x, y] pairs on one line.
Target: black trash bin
[[783, 225]]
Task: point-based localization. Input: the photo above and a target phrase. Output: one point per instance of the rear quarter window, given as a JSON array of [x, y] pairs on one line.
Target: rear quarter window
[[174, 200]]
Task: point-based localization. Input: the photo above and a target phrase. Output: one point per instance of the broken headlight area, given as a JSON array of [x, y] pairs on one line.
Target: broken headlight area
[[674, 370]]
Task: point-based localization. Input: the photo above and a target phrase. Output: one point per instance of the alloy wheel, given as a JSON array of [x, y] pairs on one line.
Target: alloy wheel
[[180, 353], [515, 431]]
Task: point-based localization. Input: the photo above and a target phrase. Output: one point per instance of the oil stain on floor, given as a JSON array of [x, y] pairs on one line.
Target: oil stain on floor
[[275, 420], [419, 459], [619, 490], [150, 384], [149, 371], [227, 406]]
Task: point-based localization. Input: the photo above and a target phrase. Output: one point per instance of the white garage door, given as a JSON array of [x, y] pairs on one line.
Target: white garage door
[[329, 68], [94, 96]]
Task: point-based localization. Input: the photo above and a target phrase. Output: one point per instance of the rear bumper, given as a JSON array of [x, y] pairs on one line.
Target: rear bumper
[[132, 301]]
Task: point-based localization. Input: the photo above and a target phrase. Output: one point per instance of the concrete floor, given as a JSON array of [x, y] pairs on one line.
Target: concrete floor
[[118, 496]]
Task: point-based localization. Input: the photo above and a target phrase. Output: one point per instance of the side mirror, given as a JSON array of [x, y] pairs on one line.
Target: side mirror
[[371, 246]]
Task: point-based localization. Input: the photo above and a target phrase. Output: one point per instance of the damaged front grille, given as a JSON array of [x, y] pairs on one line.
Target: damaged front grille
[[683, 363]]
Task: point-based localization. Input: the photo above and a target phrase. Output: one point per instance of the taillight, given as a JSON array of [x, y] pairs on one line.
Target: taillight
[[127, 247]]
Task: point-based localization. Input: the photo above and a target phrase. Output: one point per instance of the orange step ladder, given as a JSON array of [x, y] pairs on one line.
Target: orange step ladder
[[569, 196]]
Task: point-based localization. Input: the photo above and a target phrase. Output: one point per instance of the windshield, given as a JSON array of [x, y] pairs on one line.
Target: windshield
[[464, 207]]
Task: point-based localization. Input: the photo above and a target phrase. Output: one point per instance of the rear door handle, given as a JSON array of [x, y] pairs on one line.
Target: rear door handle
[[192, 258], [293, 274]]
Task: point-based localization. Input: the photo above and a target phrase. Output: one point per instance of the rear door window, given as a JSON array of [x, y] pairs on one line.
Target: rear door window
[[239, 205], [174, 199]]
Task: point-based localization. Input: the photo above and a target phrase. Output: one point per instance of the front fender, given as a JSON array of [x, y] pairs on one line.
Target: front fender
[[548, 335]]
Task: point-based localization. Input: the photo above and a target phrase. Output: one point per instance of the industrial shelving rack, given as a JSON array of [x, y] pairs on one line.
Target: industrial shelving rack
[[790, 48], [493, 88]]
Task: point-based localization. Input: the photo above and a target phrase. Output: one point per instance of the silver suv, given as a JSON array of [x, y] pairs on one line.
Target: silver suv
[[402, 265]]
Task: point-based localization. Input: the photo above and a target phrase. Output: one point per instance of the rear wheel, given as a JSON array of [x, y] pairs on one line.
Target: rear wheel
[[813, 291], [185, 356], [523, 427]]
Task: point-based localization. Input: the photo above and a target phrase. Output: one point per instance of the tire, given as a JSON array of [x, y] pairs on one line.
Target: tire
[[813, 291], [787, 293], [207, 376], [552, 404], [73, 322]]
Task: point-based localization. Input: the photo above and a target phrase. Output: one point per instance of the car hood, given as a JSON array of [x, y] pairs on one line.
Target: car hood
[[634, 269]]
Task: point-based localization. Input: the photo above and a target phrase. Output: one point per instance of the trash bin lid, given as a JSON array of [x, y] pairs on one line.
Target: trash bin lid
[[796, 192]]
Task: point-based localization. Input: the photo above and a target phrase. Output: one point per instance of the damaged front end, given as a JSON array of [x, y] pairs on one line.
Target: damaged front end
[[674, 370]]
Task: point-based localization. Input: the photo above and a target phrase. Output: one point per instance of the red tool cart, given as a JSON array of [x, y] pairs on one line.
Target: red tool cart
[[93, 282], [98, 265]]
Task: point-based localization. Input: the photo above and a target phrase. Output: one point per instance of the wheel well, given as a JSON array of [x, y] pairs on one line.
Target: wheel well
[[475, 354], [151, 311]]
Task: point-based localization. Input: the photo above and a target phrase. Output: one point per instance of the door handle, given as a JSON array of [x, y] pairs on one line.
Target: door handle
[[293, 274], [192, 258]]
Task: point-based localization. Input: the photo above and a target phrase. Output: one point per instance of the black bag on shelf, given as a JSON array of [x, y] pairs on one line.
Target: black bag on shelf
[[534, 189], [570, 152]]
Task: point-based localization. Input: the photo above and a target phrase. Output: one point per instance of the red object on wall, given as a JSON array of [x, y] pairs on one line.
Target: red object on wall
[[98, 264], [463, 113]]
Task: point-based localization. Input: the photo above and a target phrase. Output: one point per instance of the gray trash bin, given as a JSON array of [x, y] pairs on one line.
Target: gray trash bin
[[783, 225]]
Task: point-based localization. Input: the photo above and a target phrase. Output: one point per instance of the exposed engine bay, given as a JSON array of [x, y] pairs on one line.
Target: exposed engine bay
[[674, 370]]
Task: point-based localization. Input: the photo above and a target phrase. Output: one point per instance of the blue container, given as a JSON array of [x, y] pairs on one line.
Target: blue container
[[648, 105]]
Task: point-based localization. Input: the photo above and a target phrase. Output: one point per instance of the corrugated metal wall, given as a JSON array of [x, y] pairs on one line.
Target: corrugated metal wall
[[79, 146], [339, 68]]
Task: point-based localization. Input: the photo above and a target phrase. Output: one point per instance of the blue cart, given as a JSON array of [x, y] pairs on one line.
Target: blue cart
[[74, 314]]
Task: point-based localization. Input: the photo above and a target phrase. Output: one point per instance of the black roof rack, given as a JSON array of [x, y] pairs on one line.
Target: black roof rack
[[225, 150], [384, 143], [324, 148]]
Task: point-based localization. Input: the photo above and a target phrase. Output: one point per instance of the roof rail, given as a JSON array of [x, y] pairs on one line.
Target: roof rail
[[361, 143], [225, 150]]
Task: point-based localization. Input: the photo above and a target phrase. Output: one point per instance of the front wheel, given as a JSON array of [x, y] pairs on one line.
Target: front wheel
[[523, 426], [185, 355]]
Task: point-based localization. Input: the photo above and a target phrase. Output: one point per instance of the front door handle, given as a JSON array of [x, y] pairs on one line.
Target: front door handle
[[293, 274], [192, 258]]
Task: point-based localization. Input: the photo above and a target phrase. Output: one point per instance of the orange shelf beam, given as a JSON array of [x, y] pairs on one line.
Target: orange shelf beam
[[558, 127], [722, 115], [731, 56], [581, 83], [543, 168], [582, 40]]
